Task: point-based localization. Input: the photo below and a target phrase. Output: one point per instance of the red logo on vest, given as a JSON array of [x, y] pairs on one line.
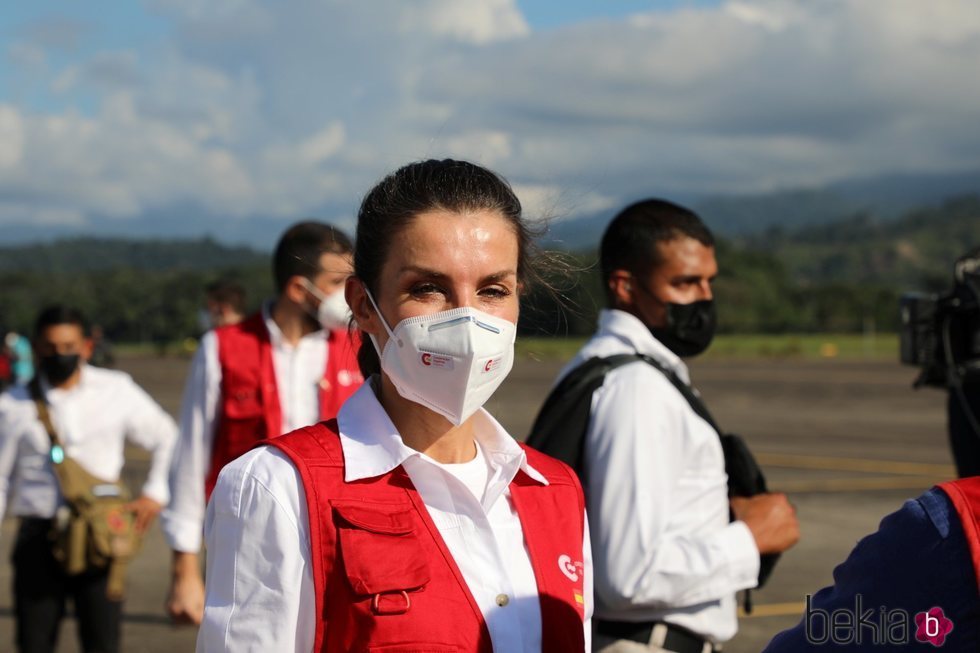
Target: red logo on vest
[[572, 570]]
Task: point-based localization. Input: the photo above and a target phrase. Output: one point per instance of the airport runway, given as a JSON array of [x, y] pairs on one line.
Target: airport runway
[[848, 440]]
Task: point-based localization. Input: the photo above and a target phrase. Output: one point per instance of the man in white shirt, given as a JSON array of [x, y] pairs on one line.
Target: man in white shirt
[[94, 412], [668, 561], [286, 367]]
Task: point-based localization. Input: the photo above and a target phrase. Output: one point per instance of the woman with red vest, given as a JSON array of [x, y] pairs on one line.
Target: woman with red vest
[[412, 522]]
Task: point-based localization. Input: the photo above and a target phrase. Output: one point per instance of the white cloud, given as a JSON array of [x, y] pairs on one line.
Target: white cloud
[[540, 201], [323, 144], [252, 110]]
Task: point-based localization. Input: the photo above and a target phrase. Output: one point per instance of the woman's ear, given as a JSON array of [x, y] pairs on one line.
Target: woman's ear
[[360, 306]]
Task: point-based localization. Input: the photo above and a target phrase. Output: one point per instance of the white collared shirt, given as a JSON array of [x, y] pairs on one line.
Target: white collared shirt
[[298, 371], [259, 577], [93, 419], [657, 495]]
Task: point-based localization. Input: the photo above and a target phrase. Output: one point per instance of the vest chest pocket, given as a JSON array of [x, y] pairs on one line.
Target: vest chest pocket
[[382, 554], [242, 404]]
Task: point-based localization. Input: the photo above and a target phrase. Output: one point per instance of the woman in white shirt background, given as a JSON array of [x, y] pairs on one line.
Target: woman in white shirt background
[[413, 521]]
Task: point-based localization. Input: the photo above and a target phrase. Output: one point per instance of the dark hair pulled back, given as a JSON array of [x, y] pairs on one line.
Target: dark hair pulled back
[[433, 185]]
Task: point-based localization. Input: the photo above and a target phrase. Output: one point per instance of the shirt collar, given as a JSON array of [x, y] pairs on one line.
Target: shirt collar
[[275, 333], [634, 333], [372, 445]]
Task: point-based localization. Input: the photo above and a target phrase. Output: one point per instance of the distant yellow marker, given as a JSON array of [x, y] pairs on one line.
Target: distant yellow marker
[[829, 350]]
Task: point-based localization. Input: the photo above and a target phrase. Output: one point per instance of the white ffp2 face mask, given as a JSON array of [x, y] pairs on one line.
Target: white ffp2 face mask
[[450, 362], [333, 311]]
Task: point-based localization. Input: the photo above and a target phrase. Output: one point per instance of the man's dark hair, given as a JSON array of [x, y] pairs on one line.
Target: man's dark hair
[[227, 291], [631, 240], [58, 314], [300, 248]]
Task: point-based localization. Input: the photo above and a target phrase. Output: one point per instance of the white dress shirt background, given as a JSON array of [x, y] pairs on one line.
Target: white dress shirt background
[[657, 495], [94, 420], [260, 596], [298, 371]]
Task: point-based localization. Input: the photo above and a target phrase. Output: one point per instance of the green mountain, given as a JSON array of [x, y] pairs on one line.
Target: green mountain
[[90, 254], [917, 249]]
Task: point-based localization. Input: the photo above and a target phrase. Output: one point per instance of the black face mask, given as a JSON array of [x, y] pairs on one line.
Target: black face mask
[[57, 368], [690, 327]]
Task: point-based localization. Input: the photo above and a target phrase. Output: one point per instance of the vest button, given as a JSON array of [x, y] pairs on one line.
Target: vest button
[[502, 600]]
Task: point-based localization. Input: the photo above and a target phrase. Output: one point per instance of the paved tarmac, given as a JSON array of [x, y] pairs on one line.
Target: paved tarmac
[[848, 440]]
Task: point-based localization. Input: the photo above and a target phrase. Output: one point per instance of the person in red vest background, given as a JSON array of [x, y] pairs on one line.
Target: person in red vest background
[[414, 521], [290, 365]]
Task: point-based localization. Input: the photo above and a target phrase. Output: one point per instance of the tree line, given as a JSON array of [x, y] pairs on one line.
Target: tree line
[[844, 276]]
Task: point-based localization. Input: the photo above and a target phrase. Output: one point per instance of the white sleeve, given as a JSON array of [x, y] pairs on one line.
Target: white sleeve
[[646, 554], [259, 593], [9, 438], [587, 587], [184, 518], [150, 427]]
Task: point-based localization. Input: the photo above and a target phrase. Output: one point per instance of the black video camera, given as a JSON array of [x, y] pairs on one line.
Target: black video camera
[[941, 333]]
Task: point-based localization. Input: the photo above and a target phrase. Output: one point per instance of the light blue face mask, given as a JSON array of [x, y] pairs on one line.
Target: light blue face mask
[[450, 362]]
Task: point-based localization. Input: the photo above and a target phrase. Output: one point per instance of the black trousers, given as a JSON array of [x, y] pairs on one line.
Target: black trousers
[[42, 590]]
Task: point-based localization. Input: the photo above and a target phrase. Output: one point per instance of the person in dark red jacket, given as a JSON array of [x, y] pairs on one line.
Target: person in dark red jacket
[[290, 365], [412, 522]]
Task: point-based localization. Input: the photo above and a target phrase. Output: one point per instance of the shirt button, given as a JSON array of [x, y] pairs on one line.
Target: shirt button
[[502, 600]]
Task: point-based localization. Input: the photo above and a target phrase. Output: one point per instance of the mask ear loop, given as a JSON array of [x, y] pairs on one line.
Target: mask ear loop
[[312, 289], [384, 323]]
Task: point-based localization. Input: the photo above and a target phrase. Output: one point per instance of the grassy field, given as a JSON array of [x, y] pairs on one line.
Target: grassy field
[[801, 346]]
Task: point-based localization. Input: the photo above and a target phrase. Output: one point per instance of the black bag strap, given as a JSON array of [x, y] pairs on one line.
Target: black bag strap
[[560, 427], [688, 392]]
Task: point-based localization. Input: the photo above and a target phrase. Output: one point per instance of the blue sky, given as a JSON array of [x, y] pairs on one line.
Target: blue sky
[[183, 116], [545, 14]]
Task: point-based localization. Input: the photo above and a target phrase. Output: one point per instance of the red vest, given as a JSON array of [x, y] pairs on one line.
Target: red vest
[[383, 576], [250, 410], [965, 495]]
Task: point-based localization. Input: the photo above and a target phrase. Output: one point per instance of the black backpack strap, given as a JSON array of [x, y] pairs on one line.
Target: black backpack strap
[[689, 393], [560, 427], [745, 477]]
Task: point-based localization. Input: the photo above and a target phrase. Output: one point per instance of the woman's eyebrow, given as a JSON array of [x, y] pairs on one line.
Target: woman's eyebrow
[[498, 276], [421, 271], [435, 274]]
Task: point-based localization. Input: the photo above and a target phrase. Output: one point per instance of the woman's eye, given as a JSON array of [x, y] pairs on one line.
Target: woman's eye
[[495, 292], [423, 289]]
